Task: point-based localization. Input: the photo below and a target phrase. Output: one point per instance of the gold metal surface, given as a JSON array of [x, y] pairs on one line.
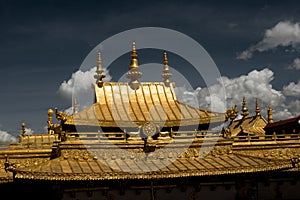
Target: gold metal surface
[[119, 106], [166, 71]]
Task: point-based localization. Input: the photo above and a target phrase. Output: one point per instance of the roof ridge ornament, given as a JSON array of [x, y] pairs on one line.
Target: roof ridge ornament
[[134, 74], [270, 115], [245, 112], [99, 72], [257, 109], [166, 71]]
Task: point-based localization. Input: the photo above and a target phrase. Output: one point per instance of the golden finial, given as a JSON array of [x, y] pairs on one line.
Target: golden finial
[[75, 107], [134, 74], [166, 71], [245, 112], [99, 72], [257, 109], [50, 120], [270, 115], [134, 61], [50, 115], [23, 125]]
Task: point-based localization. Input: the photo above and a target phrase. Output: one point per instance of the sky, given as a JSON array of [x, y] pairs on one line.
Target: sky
[[254, 44]]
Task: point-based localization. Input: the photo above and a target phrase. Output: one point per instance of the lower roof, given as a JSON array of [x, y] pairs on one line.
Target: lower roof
[[63, 169]]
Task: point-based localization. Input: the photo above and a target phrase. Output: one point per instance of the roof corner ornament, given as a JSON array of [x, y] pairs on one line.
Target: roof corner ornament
[[61, 116], [257, 109], [166, 71], [99, 72], [134, 74], [231, 113], [270, 115], [245, 112]]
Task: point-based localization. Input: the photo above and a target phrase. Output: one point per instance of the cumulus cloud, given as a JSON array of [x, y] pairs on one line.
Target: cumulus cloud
[[256, 84], [284, 33], [295, 65], [292, 89], [28, 131], [79, 87], [6, 137]]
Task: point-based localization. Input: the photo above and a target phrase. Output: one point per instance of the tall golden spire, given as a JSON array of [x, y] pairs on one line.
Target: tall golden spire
[[270, 115], [257, 109], [166, 71], [245, 112], [134, 74], [99, 72]]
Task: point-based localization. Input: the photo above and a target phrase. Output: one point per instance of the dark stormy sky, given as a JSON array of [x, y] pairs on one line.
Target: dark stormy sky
[[255, 45]]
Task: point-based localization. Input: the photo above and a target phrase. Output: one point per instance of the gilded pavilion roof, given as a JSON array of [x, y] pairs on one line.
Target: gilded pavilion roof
[[93, 169], [117, 105], [250, 125]]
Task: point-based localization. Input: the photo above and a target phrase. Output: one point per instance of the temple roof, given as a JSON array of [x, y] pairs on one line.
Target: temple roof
[[284, 123], [117, 105], [253, 125], [79, 169]]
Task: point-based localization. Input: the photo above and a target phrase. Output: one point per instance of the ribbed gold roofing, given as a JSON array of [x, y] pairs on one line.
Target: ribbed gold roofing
[[117, 105]]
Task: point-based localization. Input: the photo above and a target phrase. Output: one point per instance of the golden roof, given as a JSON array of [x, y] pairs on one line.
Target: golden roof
[[250, 125], [117, 105], [65, 169]]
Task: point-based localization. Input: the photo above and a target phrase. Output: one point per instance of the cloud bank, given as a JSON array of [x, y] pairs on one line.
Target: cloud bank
[[79, 86], [295, 65], [6, 137], [284, 33], [256, 84]]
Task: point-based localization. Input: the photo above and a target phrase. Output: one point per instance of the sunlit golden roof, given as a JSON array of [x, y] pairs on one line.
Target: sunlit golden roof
[[118, 105]]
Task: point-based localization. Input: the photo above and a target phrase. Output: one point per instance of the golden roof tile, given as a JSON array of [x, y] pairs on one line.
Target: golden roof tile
[[117, 105]]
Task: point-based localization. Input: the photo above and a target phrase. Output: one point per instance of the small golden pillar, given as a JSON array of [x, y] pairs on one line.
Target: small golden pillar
[[23, 125], [245, 112], [257, 109], [75, 107], [166, 71], [50, 121], [99, 72], [134, 74], [270, 115]]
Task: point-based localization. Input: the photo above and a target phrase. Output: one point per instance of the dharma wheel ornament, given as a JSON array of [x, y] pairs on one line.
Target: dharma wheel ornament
[[149, 129]]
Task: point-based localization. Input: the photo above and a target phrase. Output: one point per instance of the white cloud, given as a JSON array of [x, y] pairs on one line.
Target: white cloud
[[6, 137], [295, 65], [284, 33], [256, 84], [79, 86], [29, 131], [292, 89]]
